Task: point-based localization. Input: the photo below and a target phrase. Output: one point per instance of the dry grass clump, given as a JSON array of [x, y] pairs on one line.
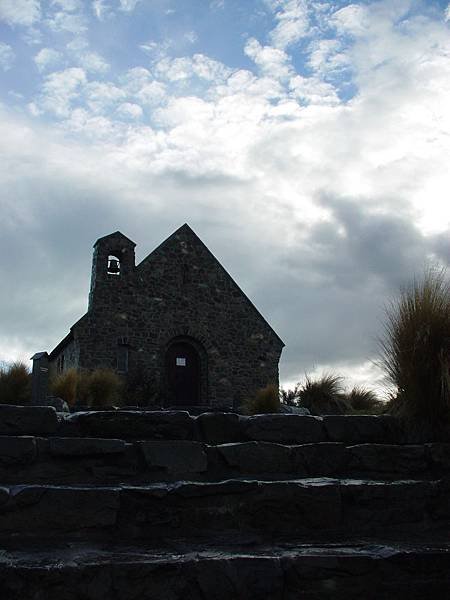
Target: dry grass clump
[[265, 400], [97, 389], [324, 395], [364, 400], [104, 388], [415, 350], [65, 386], [15, 384]]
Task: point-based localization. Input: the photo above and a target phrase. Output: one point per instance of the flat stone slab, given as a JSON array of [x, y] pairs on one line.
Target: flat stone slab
[[71, 446], [165, 425], [257, 457], [361, 429], [27, 420], [176, 456], [284, 428], [388, 458], [218, 572], [321, 459], [220, 428], [16, 451]]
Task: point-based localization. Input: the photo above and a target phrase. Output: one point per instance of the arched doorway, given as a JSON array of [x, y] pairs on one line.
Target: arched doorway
[[183, 373]]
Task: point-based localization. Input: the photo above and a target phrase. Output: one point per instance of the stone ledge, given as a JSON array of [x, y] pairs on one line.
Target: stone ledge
[[27, 420]]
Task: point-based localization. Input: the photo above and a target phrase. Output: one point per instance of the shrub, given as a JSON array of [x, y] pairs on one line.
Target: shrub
[[324, 395], [15, 384], [290, 397], [360, 399], [265, 400], [415, 350], [65, 386], [104, 388], [98, 388]]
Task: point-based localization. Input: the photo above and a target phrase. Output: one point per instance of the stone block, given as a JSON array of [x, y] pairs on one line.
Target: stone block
[[361, 429], [17, 450], [39, 510], [257, 457], [60, 446], [176, 456], [388, 458], [284, 428], [439, 455], [23, 420], [164, 425], [319, 460], [220, 428]]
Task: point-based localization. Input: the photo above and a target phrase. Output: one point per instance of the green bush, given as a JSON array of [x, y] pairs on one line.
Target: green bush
[[65, 386], [265, 400], [415, 350], [104, 388], [15, 384], [324, 395]]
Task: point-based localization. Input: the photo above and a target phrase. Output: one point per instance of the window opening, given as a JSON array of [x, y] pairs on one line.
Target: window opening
[[181, 362], [122, 359], [113, 265]]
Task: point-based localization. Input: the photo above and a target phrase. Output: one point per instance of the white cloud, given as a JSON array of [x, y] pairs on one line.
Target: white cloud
[[47, 57], [101, 9], [191, 37], [93, 62], [128, 5], [272, 61], [60, 90], [292, 21], [67, 5], [129, 110], [447, 13], [66, 21], [20, 12], [6, 56], [184, 68]]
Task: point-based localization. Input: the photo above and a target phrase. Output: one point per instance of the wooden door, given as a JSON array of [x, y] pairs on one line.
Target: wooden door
[[183, 374]]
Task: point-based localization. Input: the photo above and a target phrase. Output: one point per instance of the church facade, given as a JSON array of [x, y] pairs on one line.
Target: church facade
[[176, 324]]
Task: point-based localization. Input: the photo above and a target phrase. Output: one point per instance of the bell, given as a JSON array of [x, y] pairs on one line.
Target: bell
[[113, 266]]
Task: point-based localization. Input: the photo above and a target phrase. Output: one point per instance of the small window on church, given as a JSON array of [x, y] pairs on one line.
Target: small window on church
[[113, 265], [60, 364], [122, 359], [181, 362]]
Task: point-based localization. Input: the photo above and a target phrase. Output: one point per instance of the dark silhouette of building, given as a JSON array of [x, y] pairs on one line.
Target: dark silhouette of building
[[176, 324]]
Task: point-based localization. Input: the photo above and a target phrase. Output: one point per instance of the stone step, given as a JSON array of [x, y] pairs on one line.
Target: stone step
[[211, 428], [30, 459], [217, 572], [303, 508]]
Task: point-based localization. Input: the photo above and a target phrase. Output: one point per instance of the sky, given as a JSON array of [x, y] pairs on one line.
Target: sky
[[306, 142]]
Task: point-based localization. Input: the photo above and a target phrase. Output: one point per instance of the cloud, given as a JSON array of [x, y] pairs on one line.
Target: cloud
[[20, 12], [60, 89], [128, 5], [7, 56], [292, 22], [93, 62], [47, 57], [129, 110]]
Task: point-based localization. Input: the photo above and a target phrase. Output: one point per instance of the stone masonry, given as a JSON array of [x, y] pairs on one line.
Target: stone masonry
[[177, 297]]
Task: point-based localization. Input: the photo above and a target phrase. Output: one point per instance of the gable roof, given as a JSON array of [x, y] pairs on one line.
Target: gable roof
[[189, 232], [117, 235]]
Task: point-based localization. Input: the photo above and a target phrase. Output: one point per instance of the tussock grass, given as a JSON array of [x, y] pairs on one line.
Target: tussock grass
[[324, 395], [415, 350], [65, 386], [265, 400], [97, 389], [15, 384], [364, 400]]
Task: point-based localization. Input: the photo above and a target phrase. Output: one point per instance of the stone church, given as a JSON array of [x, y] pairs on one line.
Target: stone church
[[177, 321]]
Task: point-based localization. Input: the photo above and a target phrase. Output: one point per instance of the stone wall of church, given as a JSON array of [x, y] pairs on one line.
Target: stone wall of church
[[178, 290]]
